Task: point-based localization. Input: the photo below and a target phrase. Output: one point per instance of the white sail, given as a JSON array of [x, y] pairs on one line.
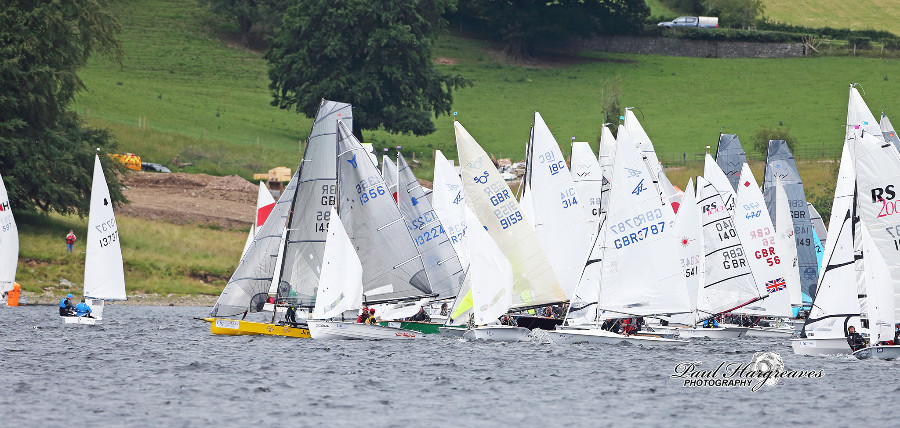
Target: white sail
[[688, 233], [9, 242], [859, 117], [606, 156], [490, 275], [589, 181], [104, 276], [264, 204], [877, 175], [449, 202], [836, 296], [490, 198], [888, 132], [879, 291], [642, 141], [526, 204], [669, 192], [784, 227], [728, 281], [391, 175], [340, 283], [559, 221], [764, 253], [639, 234], [714, 175]]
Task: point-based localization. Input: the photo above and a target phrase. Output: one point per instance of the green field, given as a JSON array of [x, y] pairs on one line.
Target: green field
[[856, 15]]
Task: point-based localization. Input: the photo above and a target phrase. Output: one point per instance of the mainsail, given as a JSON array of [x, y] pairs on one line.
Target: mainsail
[[445, 272], [639, 233], [248, 287], [836, 299], [391, 175], [392, 267], [879, 291], [715, 176], [311, 207], [104, 275], [607, 155], [780, 164], [728, 282], [490, 275], [731, 157], [449, 203], [888, 132], [559, 221], [340, 288], [766, 258], [490, 198], [9, 242], [688, 233], [589, 182], [784, 227]]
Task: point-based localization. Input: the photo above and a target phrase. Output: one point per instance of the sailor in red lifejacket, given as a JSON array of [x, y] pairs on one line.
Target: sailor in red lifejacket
[[363, 316]]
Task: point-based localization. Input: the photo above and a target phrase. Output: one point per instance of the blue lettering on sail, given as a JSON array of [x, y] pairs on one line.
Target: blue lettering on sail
[[353, 161], [632, 173], [639, 188]]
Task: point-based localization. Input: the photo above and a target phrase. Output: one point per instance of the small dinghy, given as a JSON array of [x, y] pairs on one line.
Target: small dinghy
[[498, 333], [596, 335], [883, 352]]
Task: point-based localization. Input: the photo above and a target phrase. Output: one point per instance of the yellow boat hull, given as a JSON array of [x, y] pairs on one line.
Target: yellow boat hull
[[243, 328]]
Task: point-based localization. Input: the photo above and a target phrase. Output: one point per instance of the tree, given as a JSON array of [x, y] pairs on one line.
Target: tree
[[375, 55], [762, 136], [46, 152], [735, 13], [524, 23], [246, 13]]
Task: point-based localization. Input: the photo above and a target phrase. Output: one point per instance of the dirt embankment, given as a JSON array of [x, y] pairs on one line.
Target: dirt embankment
[[181, 198]]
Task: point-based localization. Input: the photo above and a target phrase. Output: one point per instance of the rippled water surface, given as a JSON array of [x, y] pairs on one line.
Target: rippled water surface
[[158, 366]]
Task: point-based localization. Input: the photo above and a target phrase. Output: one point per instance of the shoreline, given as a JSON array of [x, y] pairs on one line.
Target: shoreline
[[138, 299]]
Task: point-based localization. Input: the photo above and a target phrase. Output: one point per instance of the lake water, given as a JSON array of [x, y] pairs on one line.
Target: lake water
[[158, 366]]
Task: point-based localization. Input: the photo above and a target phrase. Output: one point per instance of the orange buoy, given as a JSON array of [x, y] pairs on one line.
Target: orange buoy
[[13, 295]]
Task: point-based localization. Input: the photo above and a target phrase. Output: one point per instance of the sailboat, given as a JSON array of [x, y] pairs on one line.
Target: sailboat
[[880, 308], [784, 229], [341, 290], [104, 274], [888, 132], [713, 174], [639, 232], [728, 283], [9, 244], [534, 282]]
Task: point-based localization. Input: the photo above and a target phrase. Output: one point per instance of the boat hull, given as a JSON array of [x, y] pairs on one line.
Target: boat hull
[[453, 331], [498, 333], [230, 327], [770, 331], [421, 327], [80, 320], [595, 335], [532, 322], [883, 352], [820, 346], [338, 330], [712, 332]]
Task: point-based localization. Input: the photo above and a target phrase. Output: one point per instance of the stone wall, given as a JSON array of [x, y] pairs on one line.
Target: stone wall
[[692, 48]]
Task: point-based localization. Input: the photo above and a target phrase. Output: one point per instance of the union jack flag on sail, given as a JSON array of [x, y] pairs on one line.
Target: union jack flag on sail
[[774, 285]]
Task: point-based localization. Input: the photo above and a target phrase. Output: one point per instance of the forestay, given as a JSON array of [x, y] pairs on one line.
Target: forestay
[[311, 207], [392, 267], [9, 242], [445, 273], [768, 261], [730, 157], [104, 275], [784, 227], [559, 221], [780, 163], [728, 281], [638, 235], [249, 284], [340, 284], [489, 197]]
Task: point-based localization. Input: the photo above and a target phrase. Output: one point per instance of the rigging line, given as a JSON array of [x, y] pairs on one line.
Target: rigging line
[[726, 279]]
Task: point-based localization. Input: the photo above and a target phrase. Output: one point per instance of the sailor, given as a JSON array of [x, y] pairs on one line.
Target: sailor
[[83, 310], [710, 323], [371, 319], [66, 308], [854, 339], [364, 316], [445, 310], [420, 316]]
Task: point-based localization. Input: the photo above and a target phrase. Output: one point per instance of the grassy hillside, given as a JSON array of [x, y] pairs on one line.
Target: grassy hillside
[[857, 15], [208, 101]]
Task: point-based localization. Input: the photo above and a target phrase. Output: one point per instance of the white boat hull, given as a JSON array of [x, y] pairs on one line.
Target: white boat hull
[[80, 320], [498, 333], [712, 332], [595, 335], [338, 330], [452, 331], [770, 332], [820, 346], [883, 352]]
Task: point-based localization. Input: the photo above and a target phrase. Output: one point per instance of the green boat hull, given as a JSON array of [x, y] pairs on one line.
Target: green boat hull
[[421, 327]]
